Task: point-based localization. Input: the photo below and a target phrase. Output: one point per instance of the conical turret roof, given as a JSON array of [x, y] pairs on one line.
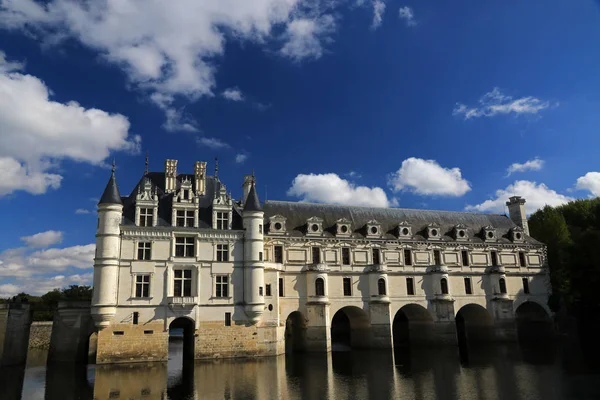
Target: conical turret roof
[[111, 193], [252, 202]]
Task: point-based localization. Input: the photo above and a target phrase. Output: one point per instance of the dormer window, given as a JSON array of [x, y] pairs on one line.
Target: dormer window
[[404, 230], [185, 218], [460, 232], [223, 220], [517, 234], [373, 229], [314, 226], [146, 217], [277, 225], [343, 227], [433, 231], [489, 233]]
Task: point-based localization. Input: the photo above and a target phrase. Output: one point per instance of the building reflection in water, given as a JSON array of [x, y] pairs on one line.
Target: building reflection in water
[[482, 373]]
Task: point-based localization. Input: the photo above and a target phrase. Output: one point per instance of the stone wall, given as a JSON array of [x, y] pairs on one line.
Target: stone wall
[[121, 343], [213, 340], [39, 335]]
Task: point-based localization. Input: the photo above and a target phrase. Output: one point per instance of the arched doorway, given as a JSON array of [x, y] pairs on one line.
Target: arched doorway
[[474, 324], [350, 328], [295, 333], [181, 338], [413, 325], [533, 323]]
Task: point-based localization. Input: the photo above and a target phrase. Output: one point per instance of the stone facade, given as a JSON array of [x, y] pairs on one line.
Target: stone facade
[[179, 250]]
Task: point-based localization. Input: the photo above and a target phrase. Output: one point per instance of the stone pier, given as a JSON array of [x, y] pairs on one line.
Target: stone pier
[[15, 322]]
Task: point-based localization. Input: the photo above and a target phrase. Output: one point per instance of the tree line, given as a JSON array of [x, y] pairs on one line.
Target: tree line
[[43, 306]]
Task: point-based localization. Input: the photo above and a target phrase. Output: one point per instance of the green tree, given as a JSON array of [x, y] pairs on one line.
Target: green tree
[[75, 292]]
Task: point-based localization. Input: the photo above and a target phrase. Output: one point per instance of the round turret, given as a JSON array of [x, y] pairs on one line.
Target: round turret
[[254, 269]]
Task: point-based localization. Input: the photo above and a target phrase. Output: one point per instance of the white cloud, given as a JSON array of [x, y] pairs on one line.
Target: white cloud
[[406, 13], [22, 262], [427, 177], [378, 11], [43, 239], [531, 165], [536, 196], [331, 189], [42, 285], [590, 181], [240, 158], [305, 37], [495, 102], [171, 47], [37, 133], [176, 120], [212, 143], [233, 94], [82, 211]]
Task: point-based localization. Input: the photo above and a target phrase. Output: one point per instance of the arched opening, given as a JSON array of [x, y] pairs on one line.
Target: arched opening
[[319, 287], [502, 285], [381, 287], [295, 333], [444, 285], [474, 324], [181, 340], [92, 348], [412, 326], [534, 325], [350, 328]]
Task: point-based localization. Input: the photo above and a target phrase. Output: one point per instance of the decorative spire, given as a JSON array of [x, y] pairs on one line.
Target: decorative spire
[[216, 168], [114, 166], [146, 169]]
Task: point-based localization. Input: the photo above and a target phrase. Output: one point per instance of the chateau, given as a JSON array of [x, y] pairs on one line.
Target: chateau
[[249, 279]]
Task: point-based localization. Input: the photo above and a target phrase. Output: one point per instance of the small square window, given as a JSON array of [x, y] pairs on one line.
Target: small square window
[[227, 319], [260, 256], [223, 252], [144, 251], [260, 290], [142, 286], [268, 289]]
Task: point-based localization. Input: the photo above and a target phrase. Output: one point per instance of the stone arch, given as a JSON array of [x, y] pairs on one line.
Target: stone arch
[[181, 337], [381, 287], [533, 322], [350, 327], [295, 333], [319, 286], [413, 325], [474, 324]]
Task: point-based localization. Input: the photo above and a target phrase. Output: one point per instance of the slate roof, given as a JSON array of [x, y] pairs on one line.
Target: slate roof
[[111, 193], [252, 202], [297, 213], [165, 201]]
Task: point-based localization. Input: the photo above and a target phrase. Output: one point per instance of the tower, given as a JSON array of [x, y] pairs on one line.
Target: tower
[[108, 246], [254, 268], [517, 213]]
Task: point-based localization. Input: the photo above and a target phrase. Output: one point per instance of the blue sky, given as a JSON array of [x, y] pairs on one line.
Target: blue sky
[[439, 105]]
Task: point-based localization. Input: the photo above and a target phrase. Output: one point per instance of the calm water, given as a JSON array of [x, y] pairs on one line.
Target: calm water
[[498, 372]]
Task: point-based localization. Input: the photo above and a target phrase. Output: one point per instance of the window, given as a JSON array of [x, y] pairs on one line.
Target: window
[[376, 256], [345, 256], [260, 229], [183, 283], [278, 253], [410, 286], [222, 220], [136, 317], [522, 259], [381, 287], [280, 287], [437, 257], [223, 252], [144, 250], [223, 286], [184, 246], [526, 285], [494, 256], [502, 284], [444, 285], [465, 258], [146, 216], [320, 287], [142, 286], [186, 194], [316, 255], [468, 287], [185, 218], [407, 257], [227, 319], [347, 287], [260, 256], [268, 289], [260, 290]]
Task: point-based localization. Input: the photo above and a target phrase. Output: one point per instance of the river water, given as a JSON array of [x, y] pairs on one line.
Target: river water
[[492, 372]]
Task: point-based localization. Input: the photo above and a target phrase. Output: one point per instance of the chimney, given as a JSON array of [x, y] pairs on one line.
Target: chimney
[[246, 186], [200, 173], [516, 212], [170, 175]]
